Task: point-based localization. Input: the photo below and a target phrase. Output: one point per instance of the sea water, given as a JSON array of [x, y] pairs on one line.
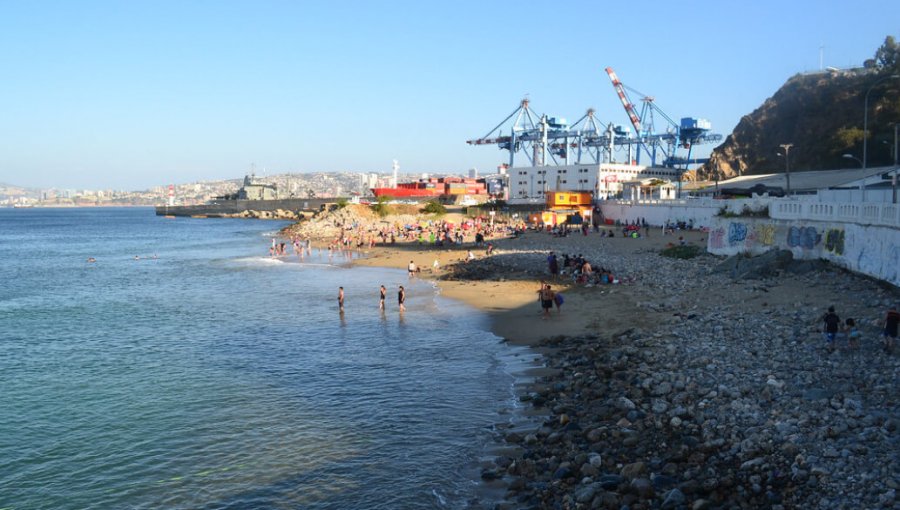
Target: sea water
[[185, 368]]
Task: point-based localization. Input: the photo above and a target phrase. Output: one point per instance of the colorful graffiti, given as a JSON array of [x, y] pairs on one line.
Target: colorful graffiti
[[717, 238], [764, 234], [742, 235], [834, 241], [737, 233], [803, 237]]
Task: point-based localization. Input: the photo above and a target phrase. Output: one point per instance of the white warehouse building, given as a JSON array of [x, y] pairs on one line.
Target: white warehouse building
[[530, 184]]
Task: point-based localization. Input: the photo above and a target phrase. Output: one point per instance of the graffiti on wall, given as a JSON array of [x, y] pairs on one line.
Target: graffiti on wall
[[742, 235], [834, 240], [803, 237]]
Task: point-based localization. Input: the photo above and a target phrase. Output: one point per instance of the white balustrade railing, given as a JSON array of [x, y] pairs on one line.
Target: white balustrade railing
[[877, 213]]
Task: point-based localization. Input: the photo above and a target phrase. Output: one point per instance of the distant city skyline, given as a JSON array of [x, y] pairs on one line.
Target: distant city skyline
[[132, 95]]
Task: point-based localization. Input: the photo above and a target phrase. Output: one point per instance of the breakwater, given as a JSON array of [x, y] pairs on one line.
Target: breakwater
[[232, 207]]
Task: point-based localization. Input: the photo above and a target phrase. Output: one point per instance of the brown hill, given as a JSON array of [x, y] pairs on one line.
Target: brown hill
[[821, 114]]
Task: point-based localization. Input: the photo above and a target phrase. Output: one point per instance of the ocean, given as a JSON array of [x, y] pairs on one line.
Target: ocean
[[185, 368]]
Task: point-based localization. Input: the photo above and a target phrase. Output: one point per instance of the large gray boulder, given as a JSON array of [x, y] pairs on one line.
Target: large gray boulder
[[743, 267]]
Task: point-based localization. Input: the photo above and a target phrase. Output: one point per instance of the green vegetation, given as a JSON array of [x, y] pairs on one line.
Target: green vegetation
[[681, 252], [746, 212], [434, 207], [342, 202], [381, 206]]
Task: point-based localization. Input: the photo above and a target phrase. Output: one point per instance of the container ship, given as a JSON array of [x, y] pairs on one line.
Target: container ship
[[434, 188]]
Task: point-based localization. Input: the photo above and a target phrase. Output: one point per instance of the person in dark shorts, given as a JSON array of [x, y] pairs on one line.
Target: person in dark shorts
[[381, 300], [546, 297], [401, 299], [832, 326], [889, 334]]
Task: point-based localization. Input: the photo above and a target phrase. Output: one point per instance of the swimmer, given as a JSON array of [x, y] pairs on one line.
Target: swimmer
[[341, 299], [401, 299], [381, 300], [91, 260]]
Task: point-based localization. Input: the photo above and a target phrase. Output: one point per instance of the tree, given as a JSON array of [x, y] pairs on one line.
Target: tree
[[888, 55], [434, 207], [342, 202]]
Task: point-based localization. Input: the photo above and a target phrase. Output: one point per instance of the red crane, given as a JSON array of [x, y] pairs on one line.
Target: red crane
[[626, 101]]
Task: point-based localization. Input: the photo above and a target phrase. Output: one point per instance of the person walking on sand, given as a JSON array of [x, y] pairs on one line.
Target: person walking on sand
[[889, 333], [381, 299], [341, 299], [401, 299], [412, 268], [546, 296]]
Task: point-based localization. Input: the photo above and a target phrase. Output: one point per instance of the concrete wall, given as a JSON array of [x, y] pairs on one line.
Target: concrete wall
[[657, 212], [861, 236], [869, 249]]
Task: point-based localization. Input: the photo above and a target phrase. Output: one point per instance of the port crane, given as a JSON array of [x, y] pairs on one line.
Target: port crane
[[542, 139], [691, 131], [547, 140]]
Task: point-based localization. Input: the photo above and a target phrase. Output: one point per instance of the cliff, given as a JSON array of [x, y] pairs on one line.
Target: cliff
[[821, 114]]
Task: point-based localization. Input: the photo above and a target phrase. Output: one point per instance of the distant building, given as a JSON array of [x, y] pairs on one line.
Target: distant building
[[255, 190], [528, 184]]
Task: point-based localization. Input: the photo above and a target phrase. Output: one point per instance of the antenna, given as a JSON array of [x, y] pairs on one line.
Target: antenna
[[821, 56]]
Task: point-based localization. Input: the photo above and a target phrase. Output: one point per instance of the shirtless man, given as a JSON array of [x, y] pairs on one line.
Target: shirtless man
[[546, 296], [401, 298], [341, 298], [381, 300]]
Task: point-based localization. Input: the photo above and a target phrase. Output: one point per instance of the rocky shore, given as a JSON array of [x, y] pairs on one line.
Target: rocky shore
[[720, 394]]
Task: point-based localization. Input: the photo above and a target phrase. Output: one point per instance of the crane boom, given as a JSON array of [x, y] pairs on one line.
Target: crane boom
[[626, 101]]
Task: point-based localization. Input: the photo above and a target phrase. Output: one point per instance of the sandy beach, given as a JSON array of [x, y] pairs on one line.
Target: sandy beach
[[509, 295]]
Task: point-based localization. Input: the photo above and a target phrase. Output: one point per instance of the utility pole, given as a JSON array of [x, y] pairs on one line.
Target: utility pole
[[894, 177], [787, 166]]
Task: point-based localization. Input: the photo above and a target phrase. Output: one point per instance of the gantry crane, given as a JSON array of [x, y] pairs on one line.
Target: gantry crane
[[690, 132]]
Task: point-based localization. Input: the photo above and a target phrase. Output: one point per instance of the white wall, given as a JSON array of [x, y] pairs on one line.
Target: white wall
[[861, 236]]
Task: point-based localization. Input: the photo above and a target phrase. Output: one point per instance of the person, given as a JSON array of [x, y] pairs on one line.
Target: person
[[852, 333], [546, 296], [889, 333], [341, 299], [381, 300], [91, 260], [832, 324], [552, 264], [470, 256], [558, 300], [412, 268], [436, 265], [490, 249], [401, 299]]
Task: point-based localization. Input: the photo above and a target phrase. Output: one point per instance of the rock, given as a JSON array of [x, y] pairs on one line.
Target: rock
[[673, 499], [633, 470], [585, 494], [610, 482], [624, 404]]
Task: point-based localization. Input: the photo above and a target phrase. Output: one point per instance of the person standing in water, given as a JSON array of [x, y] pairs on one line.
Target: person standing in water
[[401, 299], [341, 299], [381, 300]]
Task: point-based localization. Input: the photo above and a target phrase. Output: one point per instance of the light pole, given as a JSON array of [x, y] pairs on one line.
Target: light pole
[[851, 156], [866, 117], [894, 177], [787, 166]]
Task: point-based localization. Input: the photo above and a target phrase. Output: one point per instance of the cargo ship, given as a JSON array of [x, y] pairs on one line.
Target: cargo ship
[[434, 187]]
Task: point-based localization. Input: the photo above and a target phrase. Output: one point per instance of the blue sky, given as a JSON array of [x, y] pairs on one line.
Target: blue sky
[[133, 94]]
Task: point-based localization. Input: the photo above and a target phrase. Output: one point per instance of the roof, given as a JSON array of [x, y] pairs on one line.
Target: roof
[[805, 181]]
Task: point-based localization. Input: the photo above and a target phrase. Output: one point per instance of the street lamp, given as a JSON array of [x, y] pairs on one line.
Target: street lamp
[[851, 156], [787, 166], [866, 117]]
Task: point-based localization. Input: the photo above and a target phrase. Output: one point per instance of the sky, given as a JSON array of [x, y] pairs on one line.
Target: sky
[[134, 94]]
